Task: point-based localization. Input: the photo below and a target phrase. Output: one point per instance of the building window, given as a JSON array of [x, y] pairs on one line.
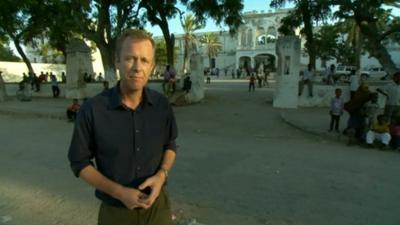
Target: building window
[[250, 37], [261, 37]]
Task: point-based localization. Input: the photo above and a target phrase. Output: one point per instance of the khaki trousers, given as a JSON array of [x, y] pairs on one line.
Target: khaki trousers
[[158, 214]]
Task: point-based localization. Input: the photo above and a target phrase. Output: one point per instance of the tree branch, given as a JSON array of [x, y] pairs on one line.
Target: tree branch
[[123, 15], [394, 29]]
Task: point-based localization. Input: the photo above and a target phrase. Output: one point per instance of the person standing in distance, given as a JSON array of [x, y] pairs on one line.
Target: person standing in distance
[[130, 132]]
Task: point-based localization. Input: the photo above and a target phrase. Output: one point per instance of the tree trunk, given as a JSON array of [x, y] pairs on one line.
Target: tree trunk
[[376, 48], [308, 28], [169, 41], [357, 46], [22, 54], [107, 57], [3, 93], [186, 57], [170, 50]]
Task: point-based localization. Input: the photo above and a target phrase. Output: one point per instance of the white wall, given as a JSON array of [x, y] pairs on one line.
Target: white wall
[[12, 71]]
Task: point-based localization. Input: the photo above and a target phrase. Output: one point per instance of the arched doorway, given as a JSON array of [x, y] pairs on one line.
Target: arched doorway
[[267, 59], [271, 35], [244, 62], [260, 36]]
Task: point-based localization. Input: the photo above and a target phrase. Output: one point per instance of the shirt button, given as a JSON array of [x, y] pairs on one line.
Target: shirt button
[[138, 168], [137, 149], [137, 131]]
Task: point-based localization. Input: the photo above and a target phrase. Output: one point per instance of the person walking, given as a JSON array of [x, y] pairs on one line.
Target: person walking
[[54, 86], [252, 83]]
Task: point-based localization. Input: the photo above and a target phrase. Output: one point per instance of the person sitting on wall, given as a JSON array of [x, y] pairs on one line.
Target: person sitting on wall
[[86, 77], [306, 79], [63, 77], [187, 84], [100, 78], [166, 78], [73, 110], [42, 77]]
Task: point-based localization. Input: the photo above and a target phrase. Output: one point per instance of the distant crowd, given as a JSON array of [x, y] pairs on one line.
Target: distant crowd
[[35, 81]]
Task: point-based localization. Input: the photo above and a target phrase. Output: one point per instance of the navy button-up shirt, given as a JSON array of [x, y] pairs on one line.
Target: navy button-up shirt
[[127, 145]]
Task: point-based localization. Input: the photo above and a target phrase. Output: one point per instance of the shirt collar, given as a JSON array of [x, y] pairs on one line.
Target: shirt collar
[[116, 100]]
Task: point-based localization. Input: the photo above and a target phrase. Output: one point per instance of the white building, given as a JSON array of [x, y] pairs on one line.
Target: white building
[[255, 44]]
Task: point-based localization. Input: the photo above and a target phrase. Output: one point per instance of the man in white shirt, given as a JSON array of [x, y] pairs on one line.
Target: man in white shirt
[[307, 78], [392, 93], [354, 83]]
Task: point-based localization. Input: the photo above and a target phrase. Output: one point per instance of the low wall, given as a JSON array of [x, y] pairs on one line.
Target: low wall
[[91, 89], [12, 71], [322, 94]]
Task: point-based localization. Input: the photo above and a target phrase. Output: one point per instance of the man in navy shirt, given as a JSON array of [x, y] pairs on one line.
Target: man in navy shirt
[[129, 131]]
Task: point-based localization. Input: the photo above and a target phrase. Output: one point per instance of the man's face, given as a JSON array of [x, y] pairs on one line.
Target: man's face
[[135, 63]]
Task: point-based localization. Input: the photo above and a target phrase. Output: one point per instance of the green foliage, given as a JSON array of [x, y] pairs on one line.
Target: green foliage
[[326, 42], [305, 13], [222, 11], [227, 12], [190, 25], [6, 54], [376, 24], [161, 53], [212, 44], [290, 23]]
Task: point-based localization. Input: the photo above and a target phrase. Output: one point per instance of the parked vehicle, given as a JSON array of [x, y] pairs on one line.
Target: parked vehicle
[[376, 73], [343, 72]]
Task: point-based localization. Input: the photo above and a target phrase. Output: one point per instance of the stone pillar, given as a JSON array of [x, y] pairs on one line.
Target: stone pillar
[[254, 38], [239, 38], [252, 63], [286, 90], [196, 93], [111, 77], [79, 62], [2, 89]]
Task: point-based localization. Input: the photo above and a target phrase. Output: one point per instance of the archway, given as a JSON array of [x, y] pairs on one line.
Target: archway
[[260, 36], [244, 62], [267, 59], [271, 35]]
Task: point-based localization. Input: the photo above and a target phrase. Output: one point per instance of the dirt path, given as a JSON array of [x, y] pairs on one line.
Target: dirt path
[[238, 163]]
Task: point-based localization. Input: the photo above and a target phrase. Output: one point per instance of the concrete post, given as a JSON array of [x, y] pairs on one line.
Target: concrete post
[[286, 90], [79, 62]]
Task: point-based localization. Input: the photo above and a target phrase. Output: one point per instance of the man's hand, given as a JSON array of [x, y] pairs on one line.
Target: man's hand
[[155, 183], [132, 197]]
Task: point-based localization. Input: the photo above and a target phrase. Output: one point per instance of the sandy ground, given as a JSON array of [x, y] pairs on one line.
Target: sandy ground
[[238, 163]]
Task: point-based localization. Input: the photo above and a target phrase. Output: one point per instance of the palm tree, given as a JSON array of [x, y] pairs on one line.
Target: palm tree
[[189, 25], [213, 45], [353, 40]]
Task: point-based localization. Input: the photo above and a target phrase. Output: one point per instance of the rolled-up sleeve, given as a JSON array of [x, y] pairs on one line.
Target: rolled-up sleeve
[[171, 131], [80, 151]]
